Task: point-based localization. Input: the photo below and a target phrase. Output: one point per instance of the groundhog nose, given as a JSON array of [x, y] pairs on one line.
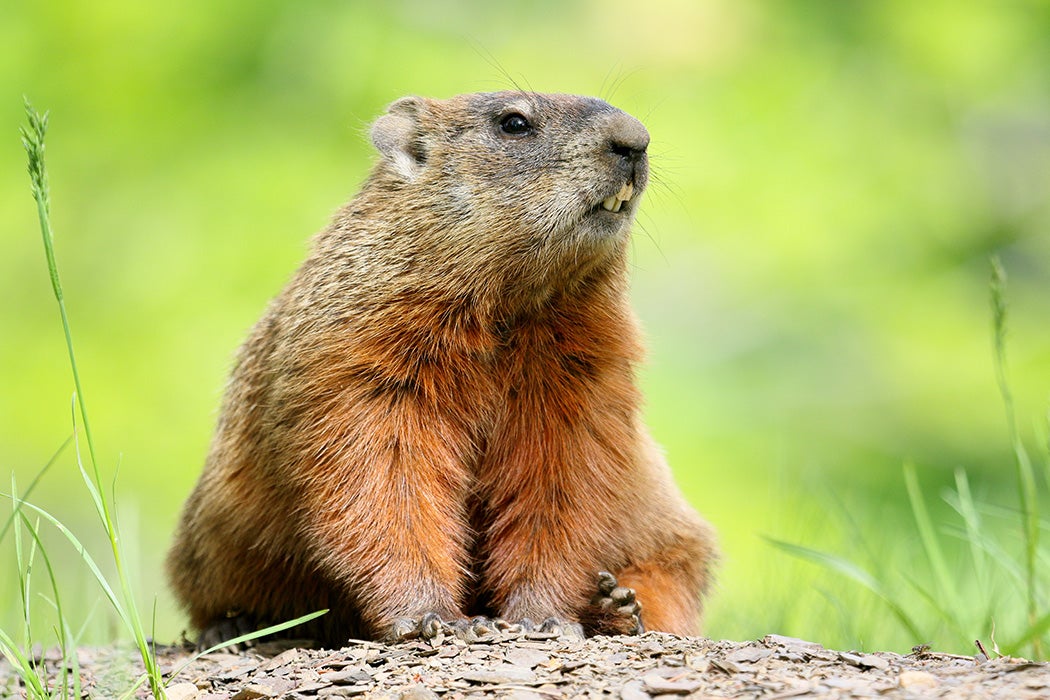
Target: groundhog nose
[[627, 137]]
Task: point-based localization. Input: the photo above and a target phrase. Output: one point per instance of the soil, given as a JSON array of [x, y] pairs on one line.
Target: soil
[[535, 666]]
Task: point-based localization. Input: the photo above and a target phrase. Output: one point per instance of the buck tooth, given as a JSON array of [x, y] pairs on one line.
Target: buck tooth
[[629, 192], [610, 203], [622, 194], [619, 203]]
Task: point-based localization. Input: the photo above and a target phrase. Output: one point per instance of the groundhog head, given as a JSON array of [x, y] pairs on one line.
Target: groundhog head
[[541, 175]]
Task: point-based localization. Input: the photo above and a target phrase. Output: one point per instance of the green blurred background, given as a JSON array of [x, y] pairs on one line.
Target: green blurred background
[[811, 263]]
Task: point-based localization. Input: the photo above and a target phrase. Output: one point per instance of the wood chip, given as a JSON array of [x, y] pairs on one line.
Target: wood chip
[[504, 673], [659, 685], [725, 666], [749, 654], [865, 660], [852, 685], [632, 690], [526, 658], [417, 691], [342, 691], [238, 670], [348, 676], [279, 686], [780, 640], [522, 694]]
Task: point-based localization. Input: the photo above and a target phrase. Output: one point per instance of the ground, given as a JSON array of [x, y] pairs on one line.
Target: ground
[[537, 666]]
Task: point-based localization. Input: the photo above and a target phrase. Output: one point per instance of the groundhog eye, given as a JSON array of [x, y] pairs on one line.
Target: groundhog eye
[[515, 125]]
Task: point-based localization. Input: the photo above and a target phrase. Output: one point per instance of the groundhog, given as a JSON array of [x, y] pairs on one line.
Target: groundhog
[[436, 425]]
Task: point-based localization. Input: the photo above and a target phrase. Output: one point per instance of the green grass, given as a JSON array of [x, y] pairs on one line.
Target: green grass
[[978, 571], [1028, 492], [124, 604], [26, 531]]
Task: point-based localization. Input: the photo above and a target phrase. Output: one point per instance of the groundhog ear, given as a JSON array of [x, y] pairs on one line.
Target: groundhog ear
[[398, 137]]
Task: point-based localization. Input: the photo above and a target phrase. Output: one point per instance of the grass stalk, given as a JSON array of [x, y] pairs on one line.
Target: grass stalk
[[23, 665], [33, 141], [33, 672], [65, 640], [24, 566], [32, 485], [931, 543], [994, 565], [853, 572], [274, 629], [1027, 490], [966, 507]]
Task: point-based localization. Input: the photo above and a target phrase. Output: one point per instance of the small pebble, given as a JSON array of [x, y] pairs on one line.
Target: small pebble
[[182, 691], [917, 680], [417, 692], [632, 690], [254, 691]]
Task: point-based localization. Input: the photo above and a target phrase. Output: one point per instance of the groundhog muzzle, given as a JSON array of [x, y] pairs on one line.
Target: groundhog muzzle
[[436, 424]]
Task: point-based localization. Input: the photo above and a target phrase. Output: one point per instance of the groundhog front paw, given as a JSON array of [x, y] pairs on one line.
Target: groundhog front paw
[[432, 628], [561, 628], [477, 628], [550, 628], [616, 607], [428, 626]]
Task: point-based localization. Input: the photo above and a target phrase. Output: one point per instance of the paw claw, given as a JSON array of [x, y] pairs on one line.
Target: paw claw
[[621, 595], [403, 628], [616, 601], [561, 628], [431, 626], [606, 583], [473, 629], [482, 626], [433, 629]]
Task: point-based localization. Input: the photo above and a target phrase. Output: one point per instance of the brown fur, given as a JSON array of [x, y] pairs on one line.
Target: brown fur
[[439, 412]]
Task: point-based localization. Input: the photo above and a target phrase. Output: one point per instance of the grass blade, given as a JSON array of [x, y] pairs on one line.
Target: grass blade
[[1035, 631], [1027, 491], [931, 544], [86, 556], [853, 572], [62, 631], [972, 521], [33, 140], [247, 638], [949, 617], [23, 665], [33, 483]]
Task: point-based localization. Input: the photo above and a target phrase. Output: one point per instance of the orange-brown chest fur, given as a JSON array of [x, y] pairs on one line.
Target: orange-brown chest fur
[[526, 388]]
